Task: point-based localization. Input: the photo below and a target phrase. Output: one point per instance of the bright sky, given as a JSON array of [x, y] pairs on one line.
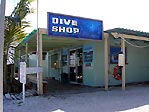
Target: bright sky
[[130, 14]]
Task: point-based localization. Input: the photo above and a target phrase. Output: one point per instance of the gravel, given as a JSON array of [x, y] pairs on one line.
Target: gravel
[[133, 99]]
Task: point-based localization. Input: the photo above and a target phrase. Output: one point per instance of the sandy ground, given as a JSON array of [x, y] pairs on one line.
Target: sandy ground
[[133, 99]]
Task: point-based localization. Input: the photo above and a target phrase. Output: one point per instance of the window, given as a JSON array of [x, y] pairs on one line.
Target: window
[[114, 51], [54, 61]]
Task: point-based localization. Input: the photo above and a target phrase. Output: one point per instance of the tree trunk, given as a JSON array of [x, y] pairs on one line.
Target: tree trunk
[[5, 74]]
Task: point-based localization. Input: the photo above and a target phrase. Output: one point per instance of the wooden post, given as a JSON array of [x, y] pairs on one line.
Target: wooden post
[[106, 59], [39, 62], [26, 54], [39, 56], [123, 69]]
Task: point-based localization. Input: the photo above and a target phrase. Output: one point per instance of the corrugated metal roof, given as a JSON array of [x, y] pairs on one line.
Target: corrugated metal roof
[[128, 31]]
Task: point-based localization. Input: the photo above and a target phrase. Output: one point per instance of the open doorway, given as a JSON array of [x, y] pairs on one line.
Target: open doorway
[[76, 65]]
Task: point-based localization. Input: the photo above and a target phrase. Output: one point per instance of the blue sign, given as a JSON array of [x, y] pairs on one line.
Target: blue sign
[[88, 55], [114, 52], [77, 27]]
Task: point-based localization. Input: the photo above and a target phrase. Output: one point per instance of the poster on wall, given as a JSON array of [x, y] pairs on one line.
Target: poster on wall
[[64, 57], [88, 56], [114, 52]]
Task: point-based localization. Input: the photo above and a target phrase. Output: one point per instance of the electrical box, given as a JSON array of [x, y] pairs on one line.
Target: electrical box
[[121, 59]]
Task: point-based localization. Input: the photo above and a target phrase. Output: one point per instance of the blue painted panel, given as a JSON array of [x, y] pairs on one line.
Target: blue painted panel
[[88, 55], [75, 27]]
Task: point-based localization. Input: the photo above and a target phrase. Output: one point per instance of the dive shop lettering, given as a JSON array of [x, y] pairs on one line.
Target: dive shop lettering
[[70, 26]]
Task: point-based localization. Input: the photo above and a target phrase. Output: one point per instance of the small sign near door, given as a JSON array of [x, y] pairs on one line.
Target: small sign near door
[[88, 56]]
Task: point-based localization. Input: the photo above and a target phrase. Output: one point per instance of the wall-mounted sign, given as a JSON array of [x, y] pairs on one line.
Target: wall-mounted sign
[[114, 53], [23, 72], [77, 27], [88, 56], [64, 57]]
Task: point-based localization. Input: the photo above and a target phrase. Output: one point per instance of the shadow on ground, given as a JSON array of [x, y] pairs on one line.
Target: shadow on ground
[[56, 87]]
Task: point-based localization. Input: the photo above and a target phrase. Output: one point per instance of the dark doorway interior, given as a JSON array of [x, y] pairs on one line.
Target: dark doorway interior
[[76, 66]]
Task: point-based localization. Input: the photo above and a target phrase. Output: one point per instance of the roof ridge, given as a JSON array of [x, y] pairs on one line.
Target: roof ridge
[[129, 31]]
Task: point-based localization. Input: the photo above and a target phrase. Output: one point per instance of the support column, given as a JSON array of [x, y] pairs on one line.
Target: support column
[[123, 69], [2, 16], [19, 60], [26, 54], [39, 55], [39, 62], [106, 60]]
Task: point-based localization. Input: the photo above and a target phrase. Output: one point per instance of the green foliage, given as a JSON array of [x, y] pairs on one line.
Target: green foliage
[[15, 24], [14, 32]]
